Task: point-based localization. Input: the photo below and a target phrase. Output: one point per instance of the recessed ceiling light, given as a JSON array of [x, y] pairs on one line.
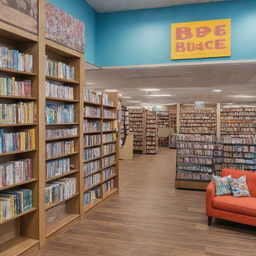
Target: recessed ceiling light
[[217, 90], [110, 90], [243, 96], [150, 90], [126, 97], [120, 94], [134, 101], [89, 83], [159, 95]]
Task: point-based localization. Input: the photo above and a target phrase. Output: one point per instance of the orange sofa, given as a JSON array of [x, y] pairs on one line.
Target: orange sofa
[[241, 209]]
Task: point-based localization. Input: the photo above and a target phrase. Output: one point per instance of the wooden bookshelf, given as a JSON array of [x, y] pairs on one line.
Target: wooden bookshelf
[[32, 228], [151, 133], [103, 140]]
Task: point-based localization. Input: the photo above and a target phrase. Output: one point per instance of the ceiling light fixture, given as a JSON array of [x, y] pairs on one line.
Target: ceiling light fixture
[[150, 90], [134, 101], [110, 90], [217, 90], [243, 96], [120, 94], [126, 97], [159, 95]]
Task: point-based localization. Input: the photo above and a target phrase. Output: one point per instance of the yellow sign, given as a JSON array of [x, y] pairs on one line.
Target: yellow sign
[[203, 39]]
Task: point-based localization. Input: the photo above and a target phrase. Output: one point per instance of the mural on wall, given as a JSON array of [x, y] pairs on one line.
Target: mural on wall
[[64, 29], [20, 13], [202, 39]]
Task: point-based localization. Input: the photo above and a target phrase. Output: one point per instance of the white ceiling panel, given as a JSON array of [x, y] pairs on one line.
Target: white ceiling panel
[[103, 6], [185, 83]]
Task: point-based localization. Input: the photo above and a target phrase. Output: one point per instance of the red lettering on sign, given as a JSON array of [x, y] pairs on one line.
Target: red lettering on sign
[[183, 33], [190, 47], [202, 31], [220, 44], [209, 45], [220, 30], [180, 47]]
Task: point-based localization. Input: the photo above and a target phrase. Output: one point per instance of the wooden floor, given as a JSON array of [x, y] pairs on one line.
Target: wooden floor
[[150, 218]]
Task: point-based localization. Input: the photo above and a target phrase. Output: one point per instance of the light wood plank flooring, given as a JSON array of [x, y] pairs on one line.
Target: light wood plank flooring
[[150, 218]]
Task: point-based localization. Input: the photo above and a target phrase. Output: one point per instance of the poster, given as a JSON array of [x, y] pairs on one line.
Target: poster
[[203, 39]]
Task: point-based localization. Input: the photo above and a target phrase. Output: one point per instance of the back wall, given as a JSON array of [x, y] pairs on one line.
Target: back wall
[[143, 37]]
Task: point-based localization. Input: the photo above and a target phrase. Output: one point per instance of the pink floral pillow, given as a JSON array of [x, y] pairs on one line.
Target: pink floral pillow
[[239, 187]]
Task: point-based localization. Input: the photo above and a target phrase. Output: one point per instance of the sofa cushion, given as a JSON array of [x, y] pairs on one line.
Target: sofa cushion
[[250, 178], [239, 187], [241, 205], [222, 185]]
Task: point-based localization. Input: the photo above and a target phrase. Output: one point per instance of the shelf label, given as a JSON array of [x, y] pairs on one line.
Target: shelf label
[[202, 39]]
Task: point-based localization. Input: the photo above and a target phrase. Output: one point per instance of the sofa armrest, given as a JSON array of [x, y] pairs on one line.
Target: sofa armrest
[[210, 194]]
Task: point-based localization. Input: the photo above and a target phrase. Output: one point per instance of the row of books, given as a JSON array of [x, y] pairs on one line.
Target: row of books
[[109, 137], [52, 133], [240, 148], [195, 145], [109, 114], [107, 126], [196, 138], [11, 87], [13, 59], [195, 160], [109, 185], [195, 168], [92, 96], [106, 100], [59, 190], [151, 132], [195, 152], [54, 149], [108, 161], [198, 130], [91, 153], [92, 126], [14, 172], [108, 172], [92, 111], [91, 167], [91, 195], [60, 113], [15, 202], [193, 176], [92, 180], [59, 69], [18, 113], [58, 90], [58, 167], [91, 140], [17, 141], [109, 148]]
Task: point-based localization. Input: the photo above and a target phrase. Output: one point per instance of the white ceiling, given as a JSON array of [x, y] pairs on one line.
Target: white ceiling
[[102, 6], [185, 83]]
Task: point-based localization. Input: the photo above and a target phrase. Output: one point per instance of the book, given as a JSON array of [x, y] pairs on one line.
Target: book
[[60, 113], [58, 167], [91, 195], [108, 172], [91, 140], [108, 185], [92, 96], [54, 133], [59, 90], [59, 148], [92, 126], [92, 111], [92, 180], [91, 167], [91, 153], [109, 137]]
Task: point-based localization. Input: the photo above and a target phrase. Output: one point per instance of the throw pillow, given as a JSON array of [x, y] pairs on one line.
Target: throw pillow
[[222, 185], [239, 187]]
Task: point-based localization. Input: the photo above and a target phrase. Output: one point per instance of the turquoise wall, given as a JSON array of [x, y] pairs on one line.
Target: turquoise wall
[[82, 11], [143, 37]]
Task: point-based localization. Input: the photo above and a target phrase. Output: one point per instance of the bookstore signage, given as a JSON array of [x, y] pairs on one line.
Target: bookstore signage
[[203, 39]]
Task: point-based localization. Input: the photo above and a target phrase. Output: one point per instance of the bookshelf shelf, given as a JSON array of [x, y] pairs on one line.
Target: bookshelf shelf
[[62, 138], [61, 223], [92, 146], [109, 154], [109, 193], [9, 97], [61, 124], [108, 106], [62, 80], [17, 152], [18, 215], [92, 117], [60, 202], [18, 184], [85, 133], [61, 156], [109, 178], [109, 142], [15, 125], [17, 72], [89, 206], [93, 159], [109, 131], [61, 100], [17, 246], [87, 175], [62, 175], [92, 186], [92, 103]]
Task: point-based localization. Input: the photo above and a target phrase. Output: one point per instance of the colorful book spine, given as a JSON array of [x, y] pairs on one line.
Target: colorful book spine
[[91, 153], [53, 133], [92, 126], [106, 126], [91, 96], [59, 190], [60, 113], [109, 172], [91, 195], [92, 180], [91, 167], [92, 140], [109, 185], [106, 100], [13, 59], [109, 137], [14, 172], [92, 111], [15, 202], [109, 114], [59, 69], [59, 90], [109, 148], [54, 149], [109, 160], [58, 167]]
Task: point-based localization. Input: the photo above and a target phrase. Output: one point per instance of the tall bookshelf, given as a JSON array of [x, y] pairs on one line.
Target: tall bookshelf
[[137, 119], [163, 119], [151, 133], [49, 140], [101, 148]]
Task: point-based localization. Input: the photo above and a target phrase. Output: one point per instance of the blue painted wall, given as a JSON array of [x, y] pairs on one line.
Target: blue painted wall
[[82, 11], [143, 37]]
